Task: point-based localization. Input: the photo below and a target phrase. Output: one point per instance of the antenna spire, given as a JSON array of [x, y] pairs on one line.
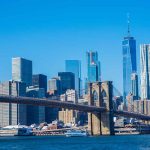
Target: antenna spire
[[128, 21]]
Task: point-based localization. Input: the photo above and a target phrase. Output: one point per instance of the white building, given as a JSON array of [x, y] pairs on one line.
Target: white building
[[145, 70], [22, 70], [70, 96]]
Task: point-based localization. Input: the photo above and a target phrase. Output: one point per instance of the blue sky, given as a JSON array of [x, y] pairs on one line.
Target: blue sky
[[51, 31]]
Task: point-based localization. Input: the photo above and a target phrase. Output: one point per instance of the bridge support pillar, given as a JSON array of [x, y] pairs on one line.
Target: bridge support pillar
[[100, 94]]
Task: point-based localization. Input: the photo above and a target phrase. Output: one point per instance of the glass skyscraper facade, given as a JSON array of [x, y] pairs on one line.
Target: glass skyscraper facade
[[129, 63], [74, 66], [22, 70], [145, 70], [134, 86], [93, 67], [35, 114], [67, 81], [40, 81]]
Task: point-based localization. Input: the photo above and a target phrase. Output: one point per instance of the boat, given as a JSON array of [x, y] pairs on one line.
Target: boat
[[25, 131], [76, 133], [16, 130]]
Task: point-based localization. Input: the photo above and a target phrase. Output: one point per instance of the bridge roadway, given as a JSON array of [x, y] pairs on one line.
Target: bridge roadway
[[50, 103], [59, 104]]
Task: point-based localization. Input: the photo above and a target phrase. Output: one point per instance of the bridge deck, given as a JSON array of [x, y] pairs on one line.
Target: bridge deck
[[59, 104], [50, 103], [132, 115]]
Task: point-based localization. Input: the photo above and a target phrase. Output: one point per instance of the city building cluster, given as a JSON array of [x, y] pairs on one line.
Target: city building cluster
[[66, 86], [136, 93]]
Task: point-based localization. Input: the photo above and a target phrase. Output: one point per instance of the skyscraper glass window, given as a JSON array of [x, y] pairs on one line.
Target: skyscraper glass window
[[134, 86], [40, 81], [93, 67], [67, 81], [74, 66], [129, 63], [22, 70]]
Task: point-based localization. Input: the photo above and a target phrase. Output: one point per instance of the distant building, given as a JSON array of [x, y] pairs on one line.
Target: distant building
[[139, 106], [130, 103], [74, 66], [145, 70], [118, 102], [12, 114], [22, 70], [54, 86], [85, 86], [69, 116], [93, 67], [134, 86], [72, 117], [147, 107], [40, 80], [51, 114], [35, 114], [54, 91], [67, 81], [70, 96], [129, 62]]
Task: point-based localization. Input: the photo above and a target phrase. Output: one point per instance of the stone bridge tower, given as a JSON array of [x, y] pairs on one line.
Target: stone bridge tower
[[100, 95]]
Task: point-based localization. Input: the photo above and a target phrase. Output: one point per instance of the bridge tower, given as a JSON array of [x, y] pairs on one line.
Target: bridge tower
[[100, 95]]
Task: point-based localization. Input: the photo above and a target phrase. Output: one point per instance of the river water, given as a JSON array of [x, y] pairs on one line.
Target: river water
[[127, 142]]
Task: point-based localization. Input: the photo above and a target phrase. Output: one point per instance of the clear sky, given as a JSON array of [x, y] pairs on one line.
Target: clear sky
[[50, 31]]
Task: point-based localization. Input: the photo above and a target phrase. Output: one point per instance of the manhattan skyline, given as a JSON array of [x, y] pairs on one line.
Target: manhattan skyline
[[49, 36]]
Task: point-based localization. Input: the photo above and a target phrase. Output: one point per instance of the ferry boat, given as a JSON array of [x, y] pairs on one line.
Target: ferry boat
[[24, 132], [16, 130], [76, 133]]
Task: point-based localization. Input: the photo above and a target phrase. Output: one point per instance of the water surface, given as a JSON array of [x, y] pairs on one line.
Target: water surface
[[127, 142]]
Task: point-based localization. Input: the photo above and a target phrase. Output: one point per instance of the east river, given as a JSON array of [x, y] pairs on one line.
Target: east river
[[127, 142]]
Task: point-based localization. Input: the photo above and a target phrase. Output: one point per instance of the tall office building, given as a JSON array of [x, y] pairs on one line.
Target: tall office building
[[93, 67], [35, 114], [74, 66], [129, 62], [54, 86], [22, 70], [40, 80], [54, 89], [134, 86], [67, 81], [145, 70], [12, 114]]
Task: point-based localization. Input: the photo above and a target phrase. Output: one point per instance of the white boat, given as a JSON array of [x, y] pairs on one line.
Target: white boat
[[76, 133], [16, 130], [24, 132]]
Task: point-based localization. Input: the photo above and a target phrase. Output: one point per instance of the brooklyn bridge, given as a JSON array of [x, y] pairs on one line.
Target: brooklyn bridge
[[100, 107]]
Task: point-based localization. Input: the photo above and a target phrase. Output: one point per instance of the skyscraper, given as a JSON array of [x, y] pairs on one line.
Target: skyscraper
[[134, 86], [74, 66], [35, 114], [145, 70], [40, 80], [67, 81], [93, 67], [129, 62], [12, 114], [22, 70], [54, 86]]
